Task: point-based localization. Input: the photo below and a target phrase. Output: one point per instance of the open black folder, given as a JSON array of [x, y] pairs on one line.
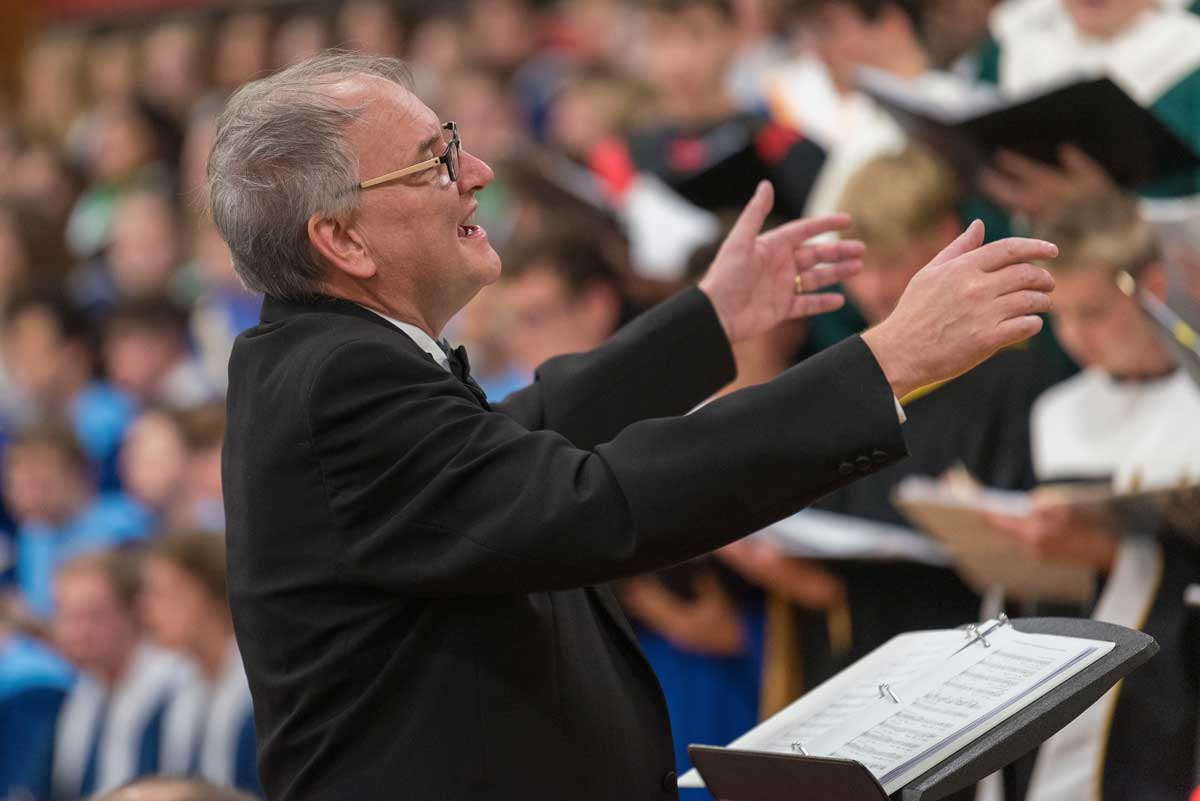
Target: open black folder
[[738, 775], [1132, 144]]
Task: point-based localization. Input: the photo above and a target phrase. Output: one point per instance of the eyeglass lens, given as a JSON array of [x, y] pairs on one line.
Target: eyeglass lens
[[452, 152]]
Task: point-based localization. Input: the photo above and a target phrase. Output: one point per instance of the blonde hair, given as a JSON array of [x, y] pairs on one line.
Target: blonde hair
[[899, 198], [1103, 232]]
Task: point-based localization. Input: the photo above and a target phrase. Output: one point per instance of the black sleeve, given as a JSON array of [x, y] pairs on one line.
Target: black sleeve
[[663, 363], [432, 495]]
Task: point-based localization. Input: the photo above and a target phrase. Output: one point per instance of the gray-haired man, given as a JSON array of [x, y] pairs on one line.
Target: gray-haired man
[[416, 574]]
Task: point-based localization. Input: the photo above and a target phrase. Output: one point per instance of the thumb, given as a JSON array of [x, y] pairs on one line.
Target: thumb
[[750, 221], [967, 241]]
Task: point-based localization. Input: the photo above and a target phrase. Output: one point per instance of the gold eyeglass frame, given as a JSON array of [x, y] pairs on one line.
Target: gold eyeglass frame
[[454, 144]]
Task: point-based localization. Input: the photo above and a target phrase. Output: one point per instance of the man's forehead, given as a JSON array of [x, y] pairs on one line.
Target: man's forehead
[[388, 110]]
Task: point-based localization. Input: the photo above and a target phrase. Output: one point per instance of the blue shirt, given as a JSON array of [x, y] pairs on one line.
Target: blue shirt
[[42, 548], [99, 416], [33, 683]]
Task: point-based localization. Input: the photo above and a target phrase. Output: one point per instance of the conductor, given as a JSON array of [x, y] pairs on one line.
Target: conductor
[[416, 573]]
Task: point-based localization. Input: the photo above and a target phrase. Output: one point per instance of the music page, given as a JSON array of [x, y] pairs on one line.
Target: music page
[[935, 716]]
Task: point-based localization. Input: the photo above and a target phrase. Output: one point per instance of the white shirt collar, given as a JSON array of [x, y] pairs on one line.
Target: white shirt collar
[[423, 340]]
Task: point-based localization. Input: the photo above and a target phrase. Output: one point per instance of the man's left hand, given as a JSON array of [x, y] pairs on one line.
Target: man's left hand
[[758, 280]]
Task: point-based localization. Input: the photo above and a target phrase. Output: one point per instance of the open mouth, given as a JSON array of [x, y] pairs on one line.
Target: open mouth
[[467, 229]]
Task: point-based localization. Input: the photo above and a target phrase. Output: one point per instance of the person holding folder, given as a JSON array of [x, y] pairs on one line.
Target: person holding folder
[[1151, 50], [1130, 415], [417, 575]]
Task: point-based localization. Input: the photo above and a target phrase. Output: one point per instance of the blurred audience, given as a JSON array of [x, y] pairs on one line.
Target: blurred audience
[[111, 728], [51, 360], [34, 680], [210, 720], [52, 496]]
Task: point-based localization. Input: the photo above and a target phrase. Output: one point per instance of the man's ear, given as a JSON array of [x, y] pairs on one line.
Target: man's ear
[[603, 304], [341, 245], [1153, 279]]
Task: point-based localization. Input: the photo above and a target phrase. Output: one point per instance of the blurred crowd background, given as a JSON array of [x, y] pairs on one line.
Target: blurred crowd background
[[624, 136]]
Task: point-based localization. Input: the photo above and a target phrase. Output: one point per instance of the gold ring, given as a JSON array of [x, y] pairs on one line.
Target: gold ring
[[798, 281]]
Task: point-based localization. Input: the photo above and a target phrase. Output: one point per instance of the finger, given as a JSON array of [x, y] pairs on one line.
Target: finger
[[1023, 168], [750, 221], [797, 232], [814, 304], [1008, 193], [1023, 302], [808, 256], [1005, 252], [967, 241], [1020, 276], [828, 275], [1079, 163], [1017, 329]]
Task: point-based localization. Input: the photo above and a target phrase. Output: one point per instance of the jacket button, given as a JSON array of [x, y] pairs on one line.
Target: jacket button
[[864, 464], [845, 468], [879, 456], [669, 783]]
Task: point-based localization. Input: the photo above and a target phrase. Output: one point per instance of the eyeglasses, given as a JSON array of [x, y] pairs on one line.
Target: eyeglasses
[[449, 157]]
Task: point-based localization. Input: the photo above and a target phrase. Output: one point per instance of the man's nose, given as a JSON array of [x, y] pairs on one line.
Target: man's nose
[[476, 174]]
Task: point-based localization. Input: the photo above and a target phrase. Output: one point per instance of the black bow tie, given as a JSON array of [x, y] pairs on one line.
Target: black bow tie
[[460, 365]]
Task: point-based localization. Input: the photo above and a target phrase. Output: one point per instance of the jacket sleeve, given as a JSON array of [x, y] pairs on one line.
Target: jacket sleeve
[[662, 363], [431, 495]]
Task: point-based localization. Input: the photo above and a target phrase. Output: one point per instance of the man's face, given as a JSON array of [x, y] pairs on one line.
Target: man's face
[[877, 289], [153, 457], [845, 40], [91, 627], [419, 230], [174, 604], [1099, 326], [687, 53], [1104, 18], [40, 483], [34, 351], [137, 359], [546, 319]]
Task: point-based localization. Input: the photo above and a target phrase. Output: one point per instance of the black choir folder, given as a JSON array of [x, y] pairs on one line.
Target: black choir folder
[[1079, 661], [1132, 144]]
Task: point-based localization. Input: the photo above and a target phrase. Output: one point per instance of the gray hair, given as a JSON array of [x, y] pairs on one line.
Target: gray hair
[[279, 157]]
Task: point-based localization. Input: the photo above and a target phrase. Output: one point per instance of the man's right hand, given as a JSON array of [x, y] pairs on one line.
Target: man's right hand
[[966, 304]]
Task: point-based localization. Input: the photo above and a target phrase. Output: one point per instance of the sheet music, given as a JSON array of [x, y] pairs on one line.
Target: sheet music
[[920, 697], [939, 714], [899, 660], [818, 534]]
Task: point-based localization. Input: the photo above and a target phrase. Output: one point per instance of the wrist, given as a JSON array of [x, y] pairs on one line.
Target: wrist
[[723, 316], [896, 367]]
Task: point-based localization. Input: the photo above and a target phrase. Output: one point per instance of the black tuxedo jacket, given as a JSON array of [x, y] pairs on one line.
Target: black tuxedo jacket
[[415, 576]]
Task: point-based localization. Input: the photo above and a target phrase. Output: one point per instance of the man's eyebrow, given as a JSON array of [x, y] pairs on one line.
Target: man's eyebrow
[[427, 144]]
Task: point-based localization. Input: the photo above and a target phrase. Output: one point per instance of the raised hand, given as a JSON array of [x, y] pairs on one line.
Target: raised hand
[[759, 280], [962, 307]]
